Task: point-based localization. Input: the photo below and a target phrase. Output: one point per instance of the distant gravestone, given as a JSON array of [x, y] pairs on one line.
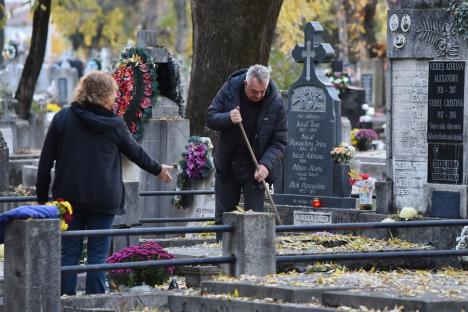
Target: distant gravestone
[[351, 104], [372, 81], [314, 123], [367, 80], [4, 164], [66, 79]]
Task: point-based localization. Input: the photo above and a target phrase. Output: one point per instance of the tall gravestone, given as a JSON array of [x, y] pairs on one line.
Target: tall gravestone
[[314, 128], [426, 79], [4, 164], [165, 137]]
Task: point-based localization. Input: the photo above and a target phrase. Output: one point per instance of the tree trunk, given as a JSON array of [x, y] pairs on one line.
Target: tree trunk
[[369, 27], [227, 36], [393, 4], [151, 15], [2, 27], [33, 64], [181, 32], [343, 47]]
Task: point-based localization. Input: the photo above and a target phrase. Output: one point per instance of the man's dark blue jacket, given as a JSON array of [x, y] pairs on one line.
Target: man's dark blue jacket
[[271, 135], [85, 141]]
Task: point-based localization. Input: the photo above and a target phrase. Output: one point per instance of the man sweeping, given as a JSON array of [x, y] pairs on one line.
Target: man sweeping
[[249, 97]]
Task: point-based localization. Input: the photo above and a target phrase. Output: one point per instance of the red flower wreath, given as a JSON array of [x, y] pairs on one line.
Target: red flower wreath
[[138, 89]]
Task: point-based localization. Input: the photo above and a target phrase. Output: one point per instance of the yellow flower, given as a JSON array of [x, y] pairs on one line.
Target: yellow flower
[[63, 225], [53, 107]]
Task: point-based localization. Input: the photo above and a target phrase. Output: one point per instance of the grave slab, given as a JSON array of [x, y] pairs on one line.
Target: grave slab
[[379, 300], [192, 303], [279, 292]]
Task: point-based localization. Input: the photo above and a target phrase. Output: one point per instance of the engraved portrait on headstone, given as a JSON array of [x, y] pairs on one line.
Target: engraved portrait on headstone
[[405, 23], [399, 41], [394, 22]]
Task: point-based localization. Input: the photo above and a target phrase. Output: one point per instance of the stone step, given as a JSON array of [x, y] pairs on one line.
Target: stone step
[[284, 293], [179, 303], [389, 299]]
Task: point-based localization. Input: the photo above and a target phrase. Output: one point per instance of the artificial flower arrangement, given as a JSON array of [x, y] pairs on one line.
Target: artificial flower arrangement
[[343, 153], [364, 182], [65, 212], [339, 80], [196, 163], [146, 251], [136, 77], [361, 138], [366, 135], [365, 186]]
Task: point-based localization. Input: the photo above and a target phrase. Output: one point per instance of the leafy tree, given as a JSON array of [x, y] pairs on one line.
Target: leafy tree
[[2, 26], [92, 24], [35, 58]]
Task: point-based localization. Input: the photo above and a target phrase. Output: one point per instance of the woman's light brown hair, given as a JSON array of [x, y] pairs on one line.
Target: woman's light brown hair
[[96, 88]]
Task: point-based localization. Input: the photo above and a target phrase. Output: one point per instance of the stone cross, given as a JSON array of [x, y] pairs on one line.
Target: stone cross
[[313, 50]]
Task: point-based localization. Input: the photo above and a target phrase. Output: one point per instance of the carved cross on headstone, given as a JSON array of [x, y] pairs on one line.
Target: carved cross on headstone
[[147, 39], [313, 50]]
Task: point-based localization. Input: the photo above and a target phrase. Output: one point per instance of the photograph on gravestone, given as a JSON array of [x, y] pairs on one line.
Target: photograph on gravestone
[[445, 121], [314, 123]]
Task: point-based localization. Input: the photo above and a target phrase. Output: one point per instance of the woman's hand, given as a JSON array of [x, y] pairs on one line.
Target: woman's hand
[[165, 174]]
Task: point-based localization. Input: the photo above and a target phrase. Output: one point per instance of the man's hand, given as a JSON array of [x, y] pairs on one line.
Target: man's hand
[[235, 116], [261, 173], [165, 174]]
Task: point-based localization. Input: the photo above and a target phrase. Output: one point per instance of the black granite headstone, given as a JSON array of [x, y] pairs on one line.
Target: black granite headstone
[[445, 204], [314, 122], [445, 121], [351, 105]]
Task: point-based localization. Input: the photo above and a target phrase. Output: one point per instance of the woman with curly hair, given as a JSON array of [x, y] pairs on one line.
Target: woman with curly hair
[[86, 141]]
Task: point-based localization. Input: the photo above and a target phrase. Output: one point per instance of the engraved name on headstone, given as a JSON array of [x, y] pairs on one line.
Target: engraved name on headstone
[[409, 137], [445, 121], [310, 217]]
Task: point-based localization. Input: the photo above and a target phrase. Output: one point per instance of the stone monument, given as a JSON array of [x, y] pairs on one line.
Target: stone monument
[[425, 96], [314, 129]]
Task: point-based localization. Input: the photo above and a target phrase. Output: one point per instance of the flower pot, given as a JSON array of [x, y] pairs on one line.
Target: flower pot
[[341, 185], [364, 145], [365, 201]]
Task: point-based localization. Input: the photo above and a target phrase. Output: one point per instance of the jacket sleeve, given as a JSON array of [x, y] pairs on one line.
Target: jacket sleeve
[[46, 162], [135, 152], [218, 114], [278, 141]]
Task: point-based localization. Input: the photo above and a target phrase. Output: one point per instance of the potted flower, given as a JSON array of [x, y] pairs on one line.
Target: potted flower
[[342, 156], [195, 166], [364, 137], [146, 251], [365, 186], [343, 153]]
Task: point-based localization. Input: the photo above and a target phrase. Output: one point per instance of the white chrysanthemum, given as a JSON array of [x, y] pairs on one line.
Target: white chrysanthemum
[[388, 220], [408, 213]]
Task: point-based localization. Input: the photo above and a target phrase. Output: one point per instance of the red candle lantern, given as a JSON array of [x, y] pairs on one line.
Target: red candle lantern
[[316, 203]]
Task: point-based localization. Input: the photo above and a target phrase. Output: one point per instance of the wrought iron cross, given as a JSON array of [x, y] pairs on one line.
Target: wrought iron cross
[[313, 50]]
